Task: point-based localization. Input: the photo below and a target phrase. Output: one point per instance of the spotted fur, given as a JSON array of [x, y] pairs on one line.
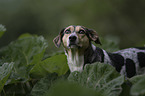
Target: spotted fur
[[128, 61], [79, 50]]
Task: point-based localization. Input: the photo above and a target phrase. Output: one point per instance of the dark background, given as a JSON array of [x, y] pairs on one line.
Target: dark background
[[124, 19]]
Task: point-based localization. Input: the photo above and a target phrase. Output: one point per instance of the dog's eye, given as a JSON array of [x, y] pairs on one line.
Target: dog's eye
[[81, 32], [67, 31]]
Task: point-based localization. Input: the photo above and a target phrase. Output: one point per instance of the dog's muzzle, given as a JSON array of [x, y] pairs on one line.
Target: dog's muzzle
[[72, 39], [73, 42]]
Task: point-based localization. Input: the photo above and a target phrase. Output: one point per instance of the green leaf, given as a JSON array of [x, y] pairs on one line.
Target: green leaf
[[5, 71], [25, 51], [56, 63], [138, 88], [2, 30], [136, 78], [43, 85], [101, 77], [54, 85], [65, 88]]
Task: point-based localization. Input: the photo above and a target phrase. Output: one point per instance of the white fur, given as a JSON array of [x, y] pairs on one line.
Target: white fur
[[93, 47], [123, 70], [75, 62], [106, 58]]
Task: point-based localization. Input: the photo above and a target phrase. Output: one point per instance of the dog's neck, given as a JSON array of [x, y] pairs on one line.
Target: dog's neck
[[77, 58], [89, 54]]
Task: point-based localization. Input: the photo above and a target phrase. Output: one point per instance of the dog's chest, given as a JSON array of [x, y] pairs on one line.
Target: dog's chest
[[75, 61]]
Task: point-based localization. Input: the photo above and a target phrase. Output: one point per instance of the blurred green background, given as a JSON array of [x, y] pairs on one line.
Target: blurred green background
[[124, 19]]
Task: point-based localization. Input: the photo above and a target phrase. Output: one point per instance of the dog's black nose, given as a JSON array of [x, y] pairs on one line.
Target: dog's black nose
[[72, 38]]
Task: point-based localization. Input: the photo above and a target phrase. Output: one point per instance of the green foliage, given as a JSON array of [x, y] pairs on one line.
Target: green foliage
[[52, 85], [43, 85], [101, 77], [27, 53], [2, 30], [65, 88], [56, 63], [23, 52], [5, 71], [26, 69], [138, 89]]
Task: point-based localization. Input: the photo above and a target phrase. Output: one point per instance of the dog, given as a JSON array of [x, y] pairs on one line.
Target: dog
[[78, 47]]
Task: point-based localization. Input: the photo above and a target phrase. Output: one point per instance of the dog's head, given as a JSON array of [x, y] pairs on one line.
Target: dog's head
[[76, 37]]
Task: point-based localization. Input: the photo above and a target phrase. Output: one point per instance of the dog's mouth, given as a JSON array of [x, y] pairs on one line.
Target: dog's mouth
[[73, 45]]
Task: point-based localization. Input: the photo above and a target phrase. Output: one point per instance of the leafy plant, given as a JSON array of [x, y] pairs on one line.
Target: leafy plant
[[6, 69], [65, 88], [23, 52], [56, 63], [27, 54], [41, 87], [101, 77], [138, 88], [25, 70]]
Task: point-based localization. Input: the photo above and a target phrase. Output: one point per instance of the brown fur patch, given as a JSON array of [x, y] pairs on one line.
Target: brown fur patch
[[82, 39]]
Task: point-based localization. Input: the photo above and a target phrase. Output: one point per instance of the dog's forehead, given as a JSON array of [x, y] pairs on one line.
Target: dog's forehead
[[74, 28]]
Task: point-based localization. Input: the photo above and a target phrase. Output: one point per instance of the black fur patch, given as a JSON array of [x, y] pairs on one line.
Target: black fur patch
[[100, 55], [117, 60], [130, 68], [93, 56], [141, 59]]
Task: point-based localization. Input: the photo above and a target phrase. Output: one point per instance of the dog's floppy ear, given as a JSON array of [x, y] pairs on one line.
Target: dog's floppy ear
[[94, 36], [57, 40]]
